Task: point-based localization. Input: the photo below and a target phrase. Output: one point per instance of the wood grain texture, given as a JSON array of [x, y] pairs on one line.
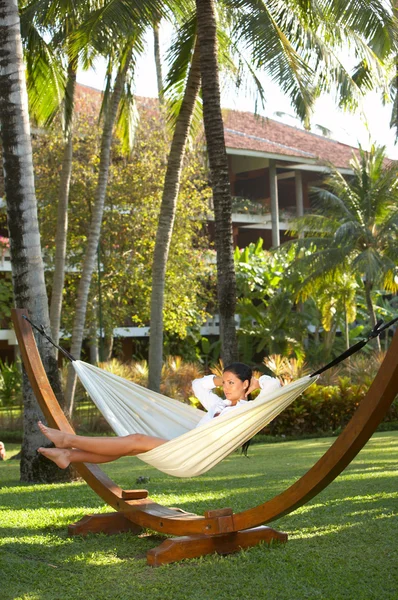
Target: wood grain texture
[[193, 546]]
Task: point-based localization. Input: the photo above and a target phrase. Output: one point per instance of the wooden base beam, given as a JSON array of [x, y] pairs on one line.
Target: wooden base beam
[[193, 546], [109, 523], [178, 548]]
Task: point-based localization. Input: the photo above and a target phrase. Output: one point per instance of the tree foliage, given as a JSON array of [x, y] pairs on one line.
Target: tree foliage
[[354, 226], [129, 227]]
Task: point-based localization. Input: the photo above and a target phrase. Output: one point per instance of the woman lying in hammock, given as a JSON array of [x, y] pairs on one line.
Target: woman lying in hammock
[[237, 382]]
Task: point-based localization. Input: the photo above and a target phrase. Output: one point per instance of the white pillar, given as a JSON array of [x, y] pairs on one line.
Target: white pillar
[[299, 194], [273, 188]]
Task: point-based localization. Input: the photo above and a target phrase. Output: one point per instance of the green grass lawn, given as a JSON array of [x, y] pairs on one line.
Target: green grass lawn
[[343, 544]]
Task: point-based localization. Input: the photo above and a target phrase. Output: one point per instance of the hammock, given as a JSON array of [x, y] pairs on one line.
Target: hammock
[[191, 450]]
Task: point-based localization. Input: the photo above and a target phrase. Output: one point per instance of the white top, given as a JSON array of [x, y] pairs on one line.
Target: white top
[[214, 405]]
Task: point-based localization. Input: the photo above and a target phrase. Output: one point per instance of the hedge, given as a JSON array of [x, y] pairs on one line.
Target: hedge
[[323, 409]]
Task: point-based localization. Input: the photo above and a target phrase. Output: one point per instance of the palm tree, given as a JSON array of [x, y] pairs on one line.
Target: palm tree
[[183, 52], [218, 163], [116, 19], [158, 61], [355, 226], [89, 262], [166, 219], [76, 30], [26, 259], [51, 87]]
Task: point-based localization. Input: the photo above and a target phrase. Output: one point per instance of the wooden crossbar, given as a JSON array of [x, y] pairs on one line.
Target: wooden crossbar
[[221, 530]]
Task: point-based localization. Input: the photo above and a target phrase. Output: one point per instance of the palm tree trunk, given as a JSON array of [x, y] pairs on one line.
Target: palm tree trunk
[[346, 328], [93, 341], [90, 257], [368, 285], [214, 130], [108, 347], [26, 258], [329, 337], [166, 220], [158, 62], [62, 217]]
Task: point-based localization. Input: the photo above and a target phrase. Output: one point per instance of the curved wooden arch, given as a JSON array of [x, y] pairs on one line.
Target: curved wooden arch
[[218, 530]]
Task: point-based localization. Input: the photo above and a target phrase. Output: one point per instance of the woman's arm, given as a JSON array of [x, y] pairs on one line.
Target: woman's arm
[[202, 389], [254, 385], [264, 382]]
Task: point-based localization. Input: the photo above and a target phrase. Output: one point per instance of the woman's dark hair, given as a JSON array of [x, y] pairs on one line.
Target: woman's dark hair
[[244, 372]]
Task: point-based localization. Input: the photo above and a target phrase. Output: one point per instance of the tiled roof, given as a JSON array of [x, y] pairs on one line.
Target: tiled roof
[[246, 131]]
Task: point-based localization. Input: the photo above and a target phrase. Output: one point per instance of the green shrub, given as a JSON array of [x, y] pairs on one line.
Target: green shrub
[[10, 384], [323, 409]]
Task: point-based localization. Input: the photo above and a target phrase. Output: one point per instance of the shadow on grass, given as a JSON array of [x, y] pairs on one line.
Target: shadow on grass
[[333, 540]]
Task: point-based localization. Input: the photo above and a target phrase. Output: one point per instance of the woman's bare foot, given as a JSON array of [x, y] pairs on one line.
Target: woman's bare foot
[[58, 455], [58, 438]]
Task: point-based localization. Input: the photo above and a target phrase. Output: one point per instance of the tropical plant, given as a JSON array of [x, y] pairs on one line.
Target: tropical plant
[[89, 262], [354, 227], [267, 296], [218, 164], [335, 297], [183, 110], [286, 369], [10, 384]]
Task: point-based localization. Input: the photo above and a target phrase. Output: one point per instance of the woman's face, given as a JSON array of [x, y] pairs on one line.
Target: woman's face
[[234, 388]]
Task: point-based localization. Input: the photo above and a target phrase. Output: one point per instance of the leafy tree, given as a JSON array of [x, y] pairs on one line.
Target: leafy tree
[[355, 226], [128, 229]]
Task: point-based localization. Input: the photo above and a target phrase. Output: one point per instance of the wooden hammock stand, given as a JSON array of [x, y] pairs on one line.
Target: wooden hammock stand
[[219, 531]]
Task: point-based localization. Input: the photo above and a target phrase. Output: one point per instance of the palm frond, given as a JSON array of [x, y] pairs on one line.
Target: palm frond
[[46, 79], [263, 30], [371, 264], [179, 57]]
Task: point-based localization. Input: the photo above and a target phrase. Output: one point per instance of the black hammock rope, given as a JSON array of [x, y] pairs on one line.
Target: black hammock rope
[[375, 332], [42, 331]]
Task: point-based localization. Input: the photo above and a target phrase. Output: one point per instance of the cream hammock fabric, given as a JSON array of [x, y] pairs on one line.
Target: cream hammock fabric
[[191, 451]]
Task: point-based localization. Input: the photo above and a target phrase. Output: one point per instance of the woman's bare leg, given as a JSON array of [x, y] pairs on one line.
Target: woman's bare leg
[[128, 445], [63, 457]]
